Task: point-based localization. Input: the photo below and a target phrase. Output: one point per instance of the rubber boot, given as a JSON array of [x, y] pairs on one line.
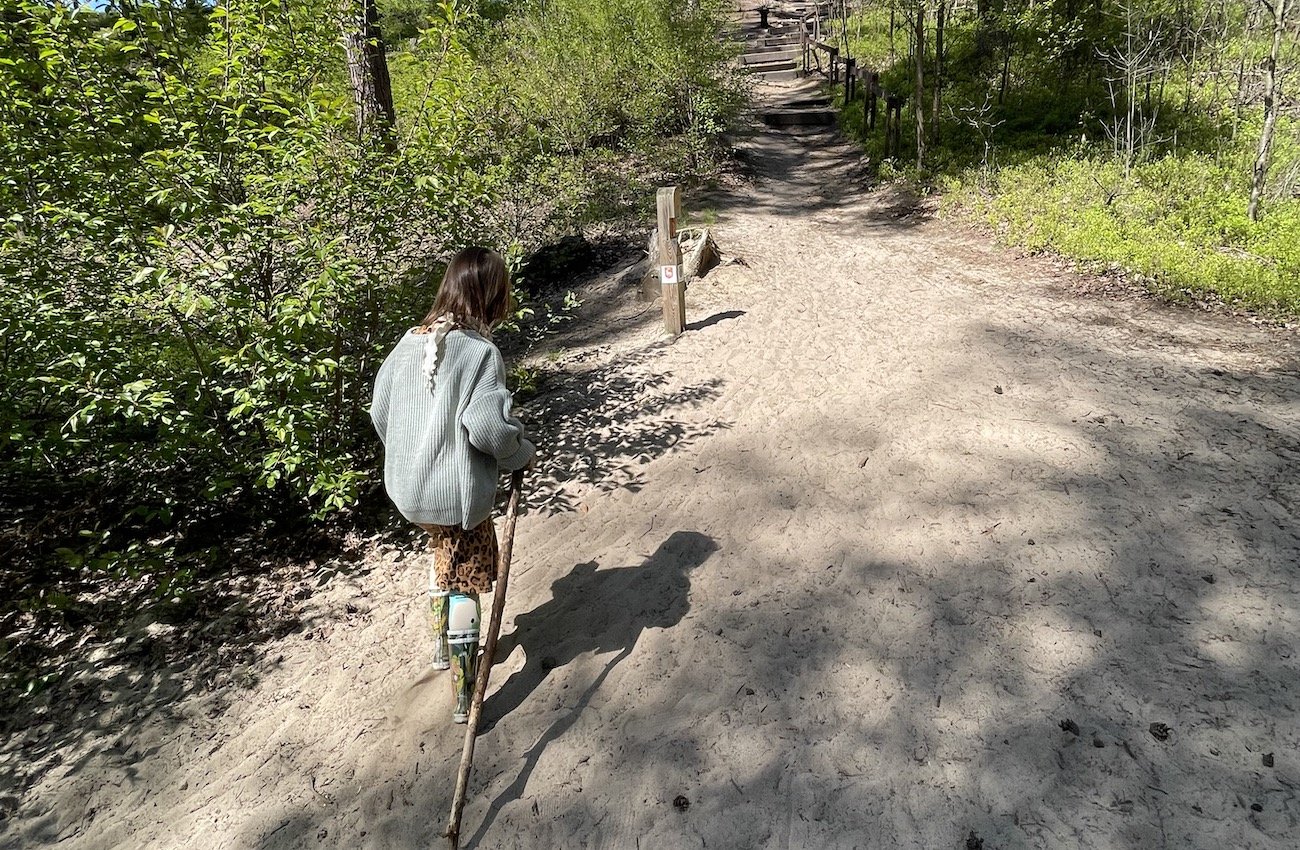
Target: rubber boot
[[462, 638]]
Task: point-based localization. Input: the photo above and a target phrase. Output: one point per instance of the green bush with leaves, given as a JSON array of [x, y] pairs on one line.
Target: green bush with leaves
[[202, 258], [544, 104], [1119, 133], [201, 266]]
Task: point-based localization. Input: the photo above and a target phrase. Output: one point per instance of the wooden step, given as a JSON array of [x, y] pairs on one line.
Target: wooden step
[[774, 16], [791, 46], [805, 103], [771, 48], [788, 37], [775, 28], [751, 59], [772, 67], [791, 74], [799, 117]]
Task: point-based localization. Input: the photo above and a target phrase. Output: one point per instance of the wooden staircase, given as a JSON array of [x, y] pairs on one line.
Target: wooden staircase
[[773, 51]]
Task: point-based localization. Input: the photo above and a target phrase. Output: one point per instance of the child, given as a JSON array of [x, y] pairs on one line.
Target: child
[[442, 411]]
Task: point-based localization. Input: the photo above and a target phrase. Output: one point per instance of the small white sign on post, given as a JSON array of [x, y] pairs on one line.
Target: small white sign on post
[[668, 274]]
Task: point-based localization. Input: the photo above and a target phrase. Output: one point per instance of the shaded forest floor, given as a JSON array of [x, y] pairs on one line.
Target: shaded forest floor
[[906, 543]]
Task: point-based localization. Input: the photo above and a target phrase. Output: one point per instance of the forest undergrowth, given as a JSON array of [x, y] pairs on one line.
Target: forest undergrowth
[[215, 219], [1161, 140]]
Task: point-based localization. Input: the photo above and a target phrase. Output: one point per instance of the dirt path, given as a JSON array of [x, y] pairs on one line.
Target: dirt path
[[902, 545]]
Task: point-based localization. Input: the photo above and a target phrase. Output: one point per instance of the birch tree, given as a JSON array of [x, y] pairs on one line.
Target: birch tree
[[1278, 9]]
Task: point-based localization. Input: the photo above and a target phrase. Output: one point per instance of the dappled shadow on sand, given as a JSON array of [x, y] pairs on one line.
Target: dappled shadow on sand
[[133, 659], [1077, 632], [597, 428], [1085, 654], [798, 172]]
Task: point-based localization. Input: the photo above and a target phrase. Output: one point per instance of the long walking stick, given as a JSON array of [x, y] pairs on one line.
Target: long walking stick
[[485, 663]]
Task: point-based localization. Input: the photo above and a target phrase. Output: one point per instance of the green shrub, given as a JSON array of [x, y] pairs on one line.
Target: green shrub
[[1031, 97], [204, 260]]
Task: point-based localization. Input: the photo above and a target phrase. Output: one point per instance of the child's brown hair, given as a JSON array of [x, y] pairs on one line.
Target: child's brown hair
[[475, 288]]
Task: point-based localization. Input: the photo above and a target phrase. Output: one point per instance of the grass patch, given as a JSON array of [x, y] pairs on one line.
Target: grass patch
[[1179, 222], [1027, 123]]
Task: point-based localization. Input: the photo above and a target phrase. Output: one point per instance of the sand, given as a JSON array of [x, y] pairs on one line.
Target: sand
[[905, 543]]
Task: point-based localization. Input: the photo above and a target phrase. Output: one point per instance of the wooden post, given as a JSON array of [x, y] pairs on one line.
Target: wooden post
[[670, 260], [850, 80], [893, 124], [894, 104], [762, 17], [873, 93], [898, 126], [889, 128], [864, 80]]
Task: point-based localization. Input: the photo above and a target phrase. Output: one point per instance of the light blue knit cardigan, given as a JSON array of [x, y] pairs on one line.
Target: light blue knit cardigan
[[445, 449]]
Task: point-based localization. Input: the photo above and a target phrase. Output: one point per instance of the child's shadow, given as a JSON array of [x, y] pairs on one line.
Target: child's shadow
[[590, 611], [594, 610]]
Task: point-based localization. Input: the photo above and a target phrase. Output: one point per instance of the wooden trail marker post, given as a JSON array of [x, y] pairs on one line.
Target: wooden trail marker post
[[873, 92], [670, 260]]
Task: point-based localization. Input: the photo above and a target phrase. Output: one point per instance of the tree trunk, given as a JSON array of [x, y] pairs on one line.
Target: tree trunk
[[983, 15], [892, 52], [1006, 71], [1272, 105], [844, 29], [372, 89], [937, 83], [918, 103]]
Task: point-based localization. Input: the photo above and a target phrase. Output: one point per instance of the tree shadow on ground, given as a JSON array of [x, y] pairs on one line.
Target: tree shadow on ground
[[1082, 637], [130, 658], [593, 432]]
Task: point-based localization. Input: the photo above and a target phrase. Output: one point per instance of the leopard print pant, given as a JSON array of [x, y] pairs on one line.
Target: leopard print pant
[[464, 561]]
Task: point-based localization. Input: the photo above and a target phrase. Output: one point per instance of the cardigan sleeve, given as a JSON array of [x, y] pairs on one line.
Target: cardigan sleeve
[[487, 420], [380, 401]]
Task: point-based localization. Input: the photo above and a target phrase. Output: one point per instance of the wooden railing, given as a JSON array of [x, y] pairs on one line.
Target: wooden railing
[[810, 43], [859, 83]]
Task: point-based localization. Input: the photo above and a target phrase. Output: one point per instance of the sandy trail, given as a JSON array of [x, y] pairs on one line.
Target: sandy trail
[[836, 567]]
